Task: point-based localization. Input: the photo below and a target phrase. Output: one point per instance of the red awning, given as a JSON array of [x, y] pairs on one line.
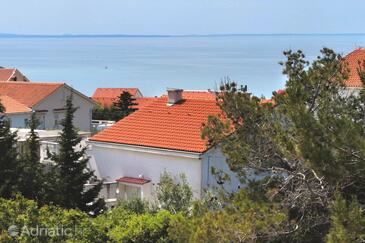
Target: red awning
[[131, 180]]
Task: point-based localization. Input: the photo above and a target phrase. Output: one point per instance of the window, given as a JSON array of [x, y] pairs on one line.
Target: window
[[58, 117], [41, 117], [128, 192]]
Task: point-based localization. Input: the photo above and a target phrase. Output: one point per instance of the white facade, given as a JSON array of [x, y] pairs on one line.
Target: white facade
[[50, 111], [113, 161]]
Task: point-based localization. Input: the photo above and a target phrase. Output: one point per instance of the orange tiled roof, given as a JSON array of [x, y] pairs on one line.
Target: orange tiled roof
[[107, 96], [267, 101], [28, 93], [176, 127], [198, 94], [143, 102], [6, 73], [353, 60], [13, 106]]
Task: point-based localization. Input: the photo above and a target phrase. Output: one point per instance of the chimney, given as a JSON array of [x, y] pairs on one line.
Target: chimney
[[174, 96]]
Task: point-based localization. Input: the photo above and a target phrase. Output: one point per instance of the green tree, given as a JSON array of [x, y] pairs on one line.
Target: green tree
[[347, 221], [241, 220], [32, 177], [71, 170], [174, 195], [9, 164], [143, 228], [25, 216], [103, 113], [124, 105], [307, 144]]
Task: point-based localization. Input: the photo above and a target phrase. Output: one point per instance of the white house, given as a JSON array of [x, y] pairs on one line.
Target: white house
[[20, 99], [163, 136]]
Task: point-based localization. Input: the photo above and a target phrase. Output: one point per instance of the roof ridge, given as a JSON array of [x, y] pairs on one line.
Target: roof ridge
[[352, 52], [32, 83]]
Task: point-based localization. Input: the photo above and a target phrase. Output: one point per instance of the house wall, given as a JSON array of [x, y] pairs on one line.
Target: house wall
[[138, 94], [82, 116], [17, 120], [215, 158], [352, 91], [113, 162], [18, 76]]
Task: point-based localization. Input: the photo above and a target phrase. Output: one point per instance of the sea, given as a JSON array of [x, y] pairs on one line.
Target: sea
[[153, 63]]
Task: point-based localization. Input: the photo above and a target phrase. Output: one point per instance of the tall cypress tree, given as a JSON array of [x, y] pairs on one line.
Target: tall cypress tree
[[31, 182], [124, 105], [9, 166], [72, 172]]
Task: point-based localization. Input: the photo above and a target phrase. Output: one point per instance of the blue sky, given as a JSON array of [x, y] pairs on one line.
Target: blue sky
[[181, 16]]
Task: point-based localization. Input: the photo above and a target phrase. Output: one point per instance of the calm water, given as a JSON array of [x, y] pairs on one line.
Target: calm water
[[152, 64]]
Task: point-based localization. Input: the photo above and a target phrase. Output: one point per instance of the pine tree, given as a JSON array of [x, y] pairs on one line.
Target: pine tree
[[9, 167], [124, 105], [347, 221], [32, 178], [72, 172], [307, 144]]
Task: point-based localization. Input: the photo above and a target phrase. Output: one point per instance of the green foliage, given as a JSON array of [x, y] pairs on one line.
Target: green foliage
[[143, 228], [71, 171], [174, 195], [32, 180], [124, 106], [26, 216], [348, 221], [9, 167], [106, 113], [304, 147], [135, 205], [242, 220]]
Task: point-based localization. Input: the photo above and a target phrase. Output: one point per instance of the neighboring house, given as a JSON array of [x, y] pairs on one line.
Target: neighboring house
[[20, 99], [107, 96], [354, 59], [12, 74], [163, 136]]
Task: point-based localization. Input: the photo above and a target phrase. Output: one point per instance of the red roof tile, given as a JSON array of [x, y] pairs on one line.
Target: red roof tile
[[131, 180], [6, 73], [198, 94], [13, 106], [143, 102], [267, 101], [107, 96], [176, 127], [28, 93], [353, 59]]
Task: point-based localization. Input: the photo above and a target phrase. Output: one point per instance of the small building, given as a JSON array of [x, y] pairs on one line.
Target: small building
[[107, 96], [12, 74], [163, 136], [48, 100]]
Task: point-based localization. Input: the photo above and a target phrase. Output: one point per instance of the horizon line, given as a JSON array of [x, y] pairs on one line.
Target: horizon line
[[10, 35]]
